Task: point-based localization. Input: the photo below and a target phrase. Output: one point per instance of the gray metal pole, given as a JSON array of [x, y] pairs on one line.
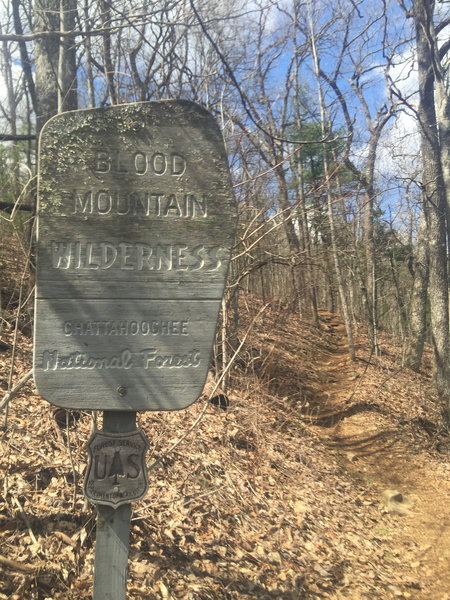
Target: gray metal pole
[[113, 529]]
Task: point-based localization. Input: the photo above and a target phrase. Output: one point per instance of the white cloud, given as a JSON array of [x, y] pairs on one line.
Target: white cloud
[[399, 147]]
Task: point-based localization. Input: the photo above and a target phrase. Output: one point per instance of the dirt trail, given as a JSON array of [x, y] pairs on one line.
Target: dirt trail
[[374, 449]]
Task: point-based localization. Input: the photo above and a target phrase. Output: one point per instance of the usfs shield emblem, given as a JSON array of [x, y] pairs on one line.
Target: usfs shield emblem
[[116, 472]]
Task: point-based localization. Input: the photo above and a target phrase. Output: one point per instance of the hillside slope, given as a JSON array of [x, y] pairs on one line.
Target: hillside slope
[[323, 479]]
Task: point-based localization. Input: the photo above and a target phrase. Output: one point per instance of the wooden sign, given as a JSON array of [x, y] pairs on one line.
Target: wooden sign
[[136, 220]]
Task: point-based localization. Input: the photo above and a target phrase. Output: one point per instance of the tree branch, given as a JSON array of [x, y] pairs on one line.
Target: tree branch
[[9, 208], [9, 137]]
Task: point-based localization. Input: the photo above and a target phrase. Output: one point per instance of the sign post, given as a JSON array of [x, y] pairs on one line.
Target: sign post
[[136, 220], [113, 528]]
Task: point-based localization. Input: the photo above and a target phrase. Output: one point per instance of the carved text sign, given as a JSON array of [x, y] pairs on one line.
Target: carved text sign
[[136, 221]]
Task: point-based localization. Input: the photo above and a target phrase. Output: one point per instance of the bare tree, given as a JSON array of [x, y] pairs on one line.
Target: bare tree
[[434, 190]]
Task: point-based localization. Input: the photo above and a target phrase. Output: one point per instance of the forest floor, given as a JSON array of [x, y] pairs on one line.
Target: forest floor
[[323, 479]]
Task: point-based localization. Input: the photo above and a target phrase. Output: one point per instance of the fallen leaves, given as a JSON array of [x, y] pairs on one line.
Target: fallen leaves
[[255, 503]]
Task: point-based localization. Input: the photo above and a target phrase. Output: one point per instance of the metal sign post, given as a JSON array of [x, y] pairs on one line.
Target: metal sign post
[[136, 220]]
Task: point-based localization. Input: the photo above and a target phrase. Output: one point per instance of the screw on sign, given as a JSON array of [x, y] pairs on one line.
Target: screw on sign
[[136, 220]]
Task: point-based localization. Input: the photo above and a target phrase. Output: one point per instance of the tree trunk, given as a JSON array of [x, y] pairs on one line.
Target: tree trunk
[[67, 65], [291, 234], [370, 267], [435, 197], [309, 277], [418, 307], [443, 119], [55, 59], [46, 61], [24, 56]]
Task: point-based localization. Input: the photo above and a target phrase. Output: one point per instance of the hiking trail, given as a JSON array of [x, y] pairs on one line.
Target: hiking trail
[[413, 488]]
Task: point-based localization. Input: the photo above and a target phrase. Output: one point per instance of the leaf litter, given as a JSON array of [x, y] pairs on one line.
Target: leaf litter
[[284, 495]]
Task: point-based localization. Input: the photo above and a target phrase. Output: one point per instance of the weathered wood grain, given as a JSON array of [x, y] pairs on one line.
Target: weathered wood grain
[[130, 337], [136, 221], [113, 530]]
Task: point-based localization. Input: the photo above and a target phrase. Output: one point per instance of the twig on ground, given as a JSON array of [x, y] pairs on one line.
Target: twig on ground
[[14, 565], [16, 389], [25, 519]]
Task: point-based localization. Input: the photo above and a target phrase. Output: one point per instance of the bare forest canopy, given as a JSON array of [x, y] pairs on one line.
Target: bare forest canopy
[[336, 117]]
